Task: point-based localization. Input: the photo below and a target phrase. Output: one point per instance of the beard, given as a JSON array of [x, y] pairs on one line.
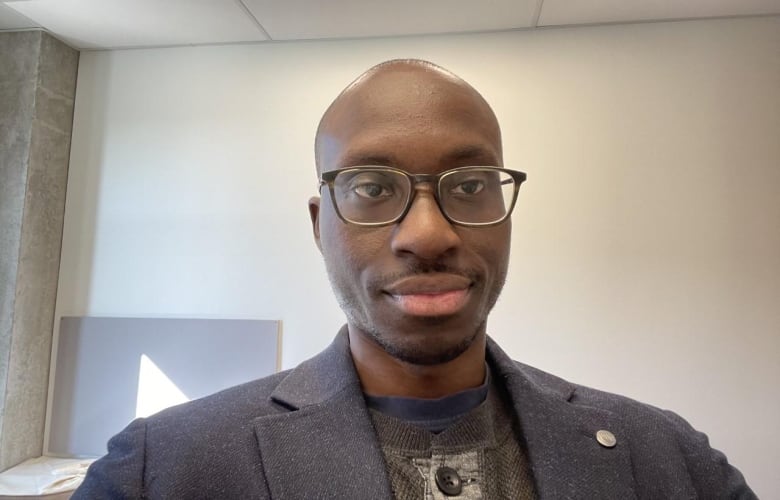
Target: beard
[[424, 354], [433, 346]]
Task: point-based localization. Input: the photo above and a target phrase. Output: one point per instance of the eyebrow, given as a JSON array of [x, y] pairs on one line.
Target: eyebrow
[[353, 160], [471, 152], [459, 155]]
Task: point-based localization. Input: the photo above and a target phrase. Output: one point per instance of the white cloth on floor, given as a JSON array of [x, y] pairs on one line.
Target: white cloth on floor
[[44, 475]]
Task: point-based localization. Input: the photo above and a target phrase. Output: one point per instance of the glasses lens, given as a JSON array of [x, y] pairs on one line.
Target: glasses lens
[[370, 196], [479, 195]]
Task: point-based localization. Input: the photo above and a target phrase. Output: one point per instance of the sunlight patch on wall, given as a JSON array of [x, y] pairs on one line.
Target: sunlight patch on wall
[[155, 390]]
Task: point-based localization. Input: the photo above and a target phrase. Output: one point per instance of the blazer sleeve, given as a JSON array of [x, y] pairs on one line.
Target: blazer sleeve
[[712, 475], [119, 474]]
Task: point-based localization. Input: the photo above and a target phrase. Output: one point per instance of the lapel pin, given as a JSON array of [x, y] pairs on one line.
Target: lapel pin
[[606, 439]]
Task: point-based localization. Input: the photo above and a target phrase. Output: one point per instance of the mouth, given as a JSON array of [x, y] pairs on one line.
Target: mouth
[[435, 294]]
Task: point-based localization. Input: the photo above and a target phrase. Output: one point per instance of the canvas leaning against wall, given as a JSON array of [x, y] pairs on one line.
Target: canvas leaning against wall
[[110, 371]]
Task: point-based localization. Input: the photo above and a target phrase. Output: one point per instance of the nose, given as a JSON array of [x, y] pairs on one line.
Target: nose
[[424, 232]]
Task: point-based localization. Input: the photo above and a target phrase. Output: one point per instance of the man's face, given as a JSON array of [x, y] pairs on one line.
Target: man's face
[[421, 288]]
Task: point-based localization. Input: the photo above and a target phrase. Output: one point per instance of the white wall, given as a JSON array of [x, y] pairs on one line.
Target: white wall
[[646, 241]]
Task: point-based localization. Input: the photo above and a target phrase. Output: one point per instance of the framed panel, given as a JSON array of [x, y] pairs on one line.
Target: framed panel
[[111, 370]]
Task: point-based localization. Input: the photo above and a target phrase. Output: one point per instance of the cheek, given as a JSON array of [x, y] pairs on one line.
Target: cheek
[[330, 235], [504, 244], [349, 248], [492, 246]]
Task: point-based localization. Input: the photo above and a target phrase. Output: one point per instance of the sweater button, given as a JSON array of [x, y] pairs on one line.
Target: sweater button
[[448, 481]]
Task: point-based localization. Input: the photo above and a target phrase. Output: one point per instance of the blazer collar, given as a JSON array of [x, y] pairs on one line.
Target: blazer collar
[[320, 378]]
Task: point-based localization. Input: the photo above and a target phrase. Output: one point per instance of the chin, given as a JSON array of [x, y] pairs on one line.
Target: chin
[[430, 348]]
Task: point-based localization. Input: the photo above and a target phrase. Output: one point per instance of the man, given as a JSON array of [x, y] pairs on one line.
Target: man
[[412, 400]]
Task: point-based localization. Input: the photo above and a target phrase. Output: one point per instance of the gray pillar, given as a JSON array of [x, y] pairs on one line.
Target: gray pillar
[[37, 90]]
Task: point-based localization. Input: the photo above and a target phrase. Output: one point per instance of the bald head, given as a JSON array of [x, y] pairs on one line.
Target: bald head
[[397, 91]]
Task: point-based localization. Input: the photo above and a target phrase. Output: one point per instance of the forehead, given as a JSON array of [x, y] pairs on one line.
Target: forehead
[[411, 118]]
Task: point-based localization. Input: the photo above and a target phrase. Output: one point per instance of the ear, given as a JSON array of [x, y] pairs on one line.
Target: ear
[[314, 213]]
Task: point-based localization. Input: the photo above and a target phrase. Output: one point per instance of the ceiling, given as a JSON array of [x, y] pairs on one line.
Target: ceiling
[[112, 24]]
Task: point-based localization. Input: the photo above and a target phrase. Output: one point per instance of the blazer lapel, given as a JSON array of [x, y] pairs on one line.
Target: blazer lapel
[[325, 445], [560, 436]]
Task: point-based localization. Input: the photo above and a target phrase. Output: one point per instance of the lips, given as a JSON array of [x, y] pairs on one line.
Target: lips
[[434, 294]]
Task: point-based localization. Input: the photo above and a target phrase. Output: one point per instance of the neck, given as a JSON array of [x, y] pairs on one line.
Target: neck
[[383, 375]]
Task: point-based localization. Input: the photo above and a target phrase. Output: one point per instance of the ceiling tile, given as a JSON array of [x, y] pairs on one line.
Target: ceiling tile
[[307, 19], [564, 12], [12, 20], [122, 23]]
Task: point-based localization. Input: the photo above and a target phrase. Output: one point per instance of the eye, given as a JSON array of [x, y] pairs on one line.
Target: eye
[[372, 190], [372, 185], [469, 187]]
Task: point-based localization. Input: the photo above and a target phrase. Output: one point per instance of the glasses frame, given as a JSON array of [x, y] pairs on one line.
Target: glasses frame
[[329, 178]]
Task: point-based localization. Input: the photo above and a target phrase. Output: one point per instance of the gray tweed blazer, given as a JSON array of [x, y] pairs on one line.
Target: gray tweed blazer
[[306, 434]]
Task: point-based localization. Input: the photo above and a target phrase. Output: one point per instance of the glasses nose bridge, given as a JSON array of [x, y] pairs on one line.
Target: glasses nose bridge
[[423, 179], [427, 183], [416, 180]]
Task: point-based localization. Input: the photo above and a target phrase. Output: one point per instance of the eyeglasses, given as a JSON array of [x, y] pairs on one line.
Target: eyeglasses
[[467, 196]]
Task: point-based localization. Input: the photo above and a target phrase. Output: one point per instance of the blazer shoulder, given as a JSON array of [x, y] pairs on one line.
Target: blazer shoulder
[[642, 419], [632, 411], [167, 454], [657, 438], [248, 400]]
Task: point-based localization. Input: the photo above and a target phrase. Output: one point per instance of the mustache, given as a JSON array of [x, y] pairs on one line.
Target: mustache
[[380, 282]]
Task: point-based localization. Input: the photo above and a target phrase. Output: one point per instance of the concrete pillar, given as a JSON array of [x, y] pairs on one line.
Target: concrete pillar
[[37, 91]]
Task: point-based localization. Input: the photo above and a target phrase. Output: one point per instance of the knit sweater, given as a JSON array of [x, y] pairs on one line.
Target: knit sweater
[[482, 447]]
